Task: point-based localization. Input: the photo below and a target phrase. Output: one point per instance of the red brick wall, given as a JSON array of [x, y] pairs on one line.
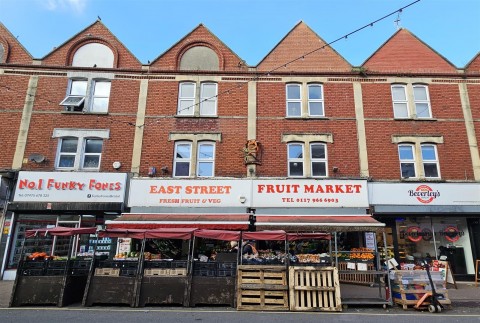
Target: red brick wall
[[14, 52]]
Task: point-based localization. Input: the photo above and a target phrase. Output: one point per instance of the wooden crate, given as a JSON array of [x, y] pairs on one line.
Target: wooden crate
[[314, 289], [357, 277], [115, 272], [165, 272], [262, 288], [178, 272]]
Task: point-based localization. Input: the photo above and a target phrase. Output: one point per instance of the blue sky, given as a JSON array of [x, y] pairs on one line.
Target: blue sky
[[251, 28]]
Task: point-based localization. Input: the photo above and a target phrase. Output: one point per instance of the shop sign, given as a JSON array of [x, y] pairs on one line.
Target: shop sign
[[424, 194], [416, 234], [190, 193], [451, 233], [310, 193], [70, 187]]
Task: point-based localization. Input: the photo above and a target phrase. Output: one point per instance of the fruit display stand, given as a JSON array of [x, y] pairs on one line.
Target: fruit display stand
[[165, 281], [214, 282], [408, 286], [48, 280], [114, 281]]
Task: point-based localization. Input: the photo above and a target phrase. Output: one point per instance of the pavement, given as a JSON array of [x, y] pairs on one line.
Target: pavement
[[465, 296]]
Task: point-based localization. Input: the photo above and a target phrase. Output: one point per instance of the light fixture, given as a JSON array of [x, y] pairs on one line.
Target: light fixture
[[36, 158], [164, 170], [117, 164], [335, 169], [242, 199]]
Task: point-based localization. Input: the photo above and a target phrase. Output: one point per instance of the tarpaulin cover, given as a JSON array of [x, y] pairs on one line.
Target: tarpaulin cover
[[170, 233], [189, 220], [218, 234], [326, 223], [306, 236], [265, 235], [59, 231], [122, 233]]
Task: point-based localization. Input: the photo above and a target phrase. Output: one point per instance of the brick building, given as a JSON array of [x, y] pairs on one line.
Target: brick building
[[197, 131]]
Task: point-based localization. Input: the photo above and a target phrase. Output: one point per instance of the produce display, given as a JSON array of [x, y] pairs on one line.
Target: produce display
[[135, 255], [358, 254]]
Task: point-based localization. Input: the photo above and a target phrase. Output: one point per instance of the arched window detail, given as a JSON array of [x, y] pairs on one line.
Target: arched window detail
[[93, 55], [201, 58]]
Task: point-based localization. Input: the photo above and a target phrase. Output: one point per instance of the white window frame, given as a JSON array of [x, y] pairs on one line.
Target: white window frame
[[208, 98], [205, 160], [85, 102], [177, 160], [293, 100], [396, 101], [81, 135], [434, 161], [94, 96], [321, 100], [196, 104], [181, 110], [426, 101], [296, 159], [80, 154], [318, 160], [408, 161]]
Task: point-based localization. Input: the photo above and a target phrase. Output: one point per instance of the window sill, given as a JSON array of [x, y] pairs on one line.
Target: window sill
[[84, 112], [307, 118], [205, 117], [415, 119], [422, 179], [77, 170]]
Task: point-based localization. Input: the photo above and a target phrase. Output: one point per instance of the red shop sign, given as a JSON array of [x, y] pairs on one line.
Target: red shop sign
[[414, 234]]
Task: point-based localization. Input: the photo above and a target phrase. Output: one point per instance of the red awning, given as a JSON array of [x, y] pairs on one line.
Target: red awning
[[224, 235], [189, 220], [170, 233], [325, 223], [265, 235], [59, 231], [306, 236], [122, 233]]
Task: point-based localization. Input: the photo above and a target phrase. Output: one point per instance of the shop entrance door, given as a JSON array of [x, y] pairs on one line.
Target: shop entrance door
[[474, 231]]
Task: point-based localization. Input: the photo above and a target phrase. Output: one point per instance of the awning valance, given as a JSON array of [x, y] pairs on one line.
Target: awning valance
[[265, 235], [309, 223], [189, 220], [59, 231], [224, 235]]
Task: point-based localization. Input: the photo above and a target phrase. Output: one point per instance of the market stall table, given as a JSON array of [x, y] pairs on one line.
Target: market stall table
[[51, 282]]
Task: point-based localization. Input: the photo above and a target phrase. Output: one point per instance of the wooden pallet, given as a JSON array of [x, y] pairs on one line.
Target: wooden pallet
[[262, 288], [314, 289], [114, 272], [357, 277], [165, 272]]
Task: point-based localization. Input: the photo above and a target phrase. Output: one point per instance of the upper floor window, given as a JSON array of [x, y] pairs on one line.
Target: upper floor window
[[414, 157], [295, 160], [318, 155], [187, 162], [422, 101], [79, 153], [79, 149], [411, 101], [314, 102], [294, 100], [87, 95], [188, 99]]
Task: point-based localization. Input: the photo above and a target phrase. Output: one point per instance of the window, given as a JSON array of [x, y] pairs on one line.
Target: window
[[294, 100], [182, 160], [295, 159], [411, 101], [78, 98], [194, 158], [79, 153], [318, 155], [400, 103], [187, 99], [407, 161], [422, 101], [312, 106], [315, 100], [428, 161], [205, 160]]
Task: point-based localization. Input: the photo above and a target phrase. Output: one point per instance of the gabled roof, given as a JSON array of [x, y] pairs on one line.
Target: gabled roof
[[202, 36], [291, 54], [97, 30], [474, 65], [14, 52], [406, 53]]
